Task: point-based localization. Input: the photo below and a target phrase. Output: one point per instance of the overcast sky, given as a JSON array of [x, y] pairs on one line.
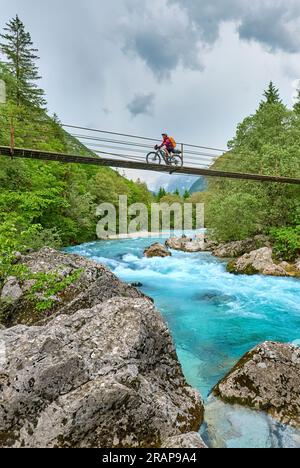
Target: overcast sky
[[194, 68]]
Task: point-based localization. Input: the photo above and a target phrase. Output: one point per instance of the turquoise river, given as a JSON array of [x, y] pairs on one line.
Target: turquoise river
[[214, 317]]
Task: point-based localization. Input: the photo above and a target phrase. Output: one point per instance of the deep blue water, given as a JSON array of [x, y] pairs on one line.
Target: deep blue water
[[215, 317]]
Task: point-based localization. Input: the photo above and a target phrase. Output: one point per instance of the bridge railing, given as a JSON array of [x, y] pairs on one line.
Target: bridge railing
[[101, 142]]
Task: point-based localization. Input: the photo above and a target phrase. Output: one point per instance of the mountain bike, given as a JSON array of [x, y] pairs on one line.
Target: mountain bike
[[171, 159]]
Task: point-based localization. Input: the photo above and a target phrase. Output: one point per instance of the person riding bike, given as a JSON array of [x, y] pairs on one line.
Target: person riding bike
[[168, 143]]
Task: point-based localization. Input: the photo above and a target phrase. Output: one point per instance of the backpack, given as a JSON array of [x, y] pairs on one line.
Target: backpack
[[173, 142]]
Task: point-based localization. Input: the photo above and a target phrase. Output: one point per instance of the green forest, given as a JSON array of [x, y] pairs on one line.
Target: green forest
[[44, 203], [55, 204], [267, 142]]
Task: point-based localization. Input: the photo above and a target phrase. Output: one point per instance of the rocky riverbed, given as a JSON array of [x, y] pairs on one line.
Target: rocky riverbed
[[250, 256], [98, 369], [86, 360]]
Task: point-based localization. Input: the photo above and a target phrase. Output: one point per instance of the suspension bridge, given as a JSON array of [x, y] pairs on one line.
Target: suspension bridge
[[120, 150]]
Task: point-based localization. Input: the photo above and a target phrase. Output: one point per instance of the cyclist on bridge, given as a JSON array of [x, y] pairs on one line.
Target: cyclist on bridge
[[168, 143]]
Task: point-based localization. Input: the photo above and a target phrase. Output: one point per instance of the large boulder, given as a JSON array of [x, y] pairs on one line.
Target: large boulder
[[259, 261], [157, 250], [239, 248], [11, 291], [185, 441], [187, 244], [267, 378], [93, 283], [107, 376]]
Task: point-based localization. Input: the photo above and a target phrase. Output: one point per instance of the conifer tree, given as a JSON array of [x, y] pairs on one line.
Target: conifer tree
[[21, 57], [186, 194], [271, 95], [162, 193]]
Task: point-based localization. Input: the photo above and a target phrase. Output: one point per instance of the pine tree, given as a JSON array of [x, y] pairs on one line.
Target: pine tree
[[186, 194], [297, 104], [271, 95], [162, 193], [177, 192], [18, 48]]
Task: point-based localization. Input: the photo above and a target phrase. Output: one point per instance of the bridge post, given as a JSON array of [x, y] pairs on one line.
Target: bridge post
[[182, 150]]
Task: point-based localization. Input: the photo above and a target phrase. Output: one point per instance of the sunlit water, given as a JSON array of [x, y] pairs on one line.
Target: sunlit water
[[215, 317]]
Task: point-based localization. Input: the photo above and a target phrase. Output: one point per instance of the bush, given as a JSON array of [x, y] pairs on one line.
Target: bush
[[287, 242]]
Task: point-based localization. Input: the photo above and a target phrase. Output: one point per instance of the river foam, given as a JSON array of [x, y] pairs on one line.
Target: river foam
[[215, 317]]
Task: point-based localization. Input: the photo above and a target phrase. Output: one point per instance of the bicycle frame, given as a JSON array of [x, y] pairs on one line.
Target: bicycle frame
[[166, 156]]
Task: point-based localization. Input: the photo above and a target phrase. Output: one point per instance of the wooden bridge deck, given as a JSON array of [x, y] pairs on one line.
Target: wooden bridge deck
[[143, 166]]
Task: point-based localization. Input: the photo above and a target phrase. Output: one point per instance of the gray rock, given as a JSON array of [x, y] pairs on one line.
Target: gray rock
[[187, 244], [107, 376], [11, 291], [17, 257], [259, 261], [157, 250], [96, 284], [185, 441], [239, 248], [267, 378]]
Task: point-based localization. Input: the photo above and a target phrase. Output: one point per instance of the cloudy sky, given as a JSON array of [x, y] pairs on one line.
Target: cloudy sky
[[194, 68]]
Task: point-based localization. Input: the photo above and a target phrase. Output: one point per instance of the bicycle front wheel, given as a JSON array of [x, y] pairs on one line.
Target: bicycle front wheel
[[153, 158]]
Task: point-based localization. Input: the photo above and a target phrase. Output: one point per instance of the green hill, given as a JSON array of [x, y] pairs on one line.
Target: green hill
[[267, 142], [46, 203]]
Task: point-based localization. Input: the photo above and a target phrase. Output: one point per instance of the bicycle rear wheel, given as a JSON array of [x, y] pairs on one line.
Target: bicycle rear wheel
[[177, 161], [153, 158]]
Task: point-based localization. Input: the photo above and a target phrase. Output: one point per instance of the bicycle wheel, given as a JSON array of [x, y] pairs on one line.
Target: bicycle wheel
[[177, 161], [153, 158]]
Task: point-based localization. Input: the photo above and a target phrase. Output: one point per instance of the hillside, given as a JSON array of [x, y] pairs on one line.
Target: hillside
[[267, 142], [44, 203]]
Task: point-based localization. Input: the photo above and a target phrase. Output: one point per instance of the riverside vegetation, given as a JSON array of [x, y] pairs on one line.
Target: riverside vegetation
[[41, 204], [74, 312], [55, 204]]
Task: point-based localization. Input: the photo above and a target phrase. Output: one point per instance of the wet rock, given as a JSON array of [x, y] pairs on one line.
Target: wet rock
[[267, 378], [94, 285], [213, 297], [157, 250], [185, 441], [235, 426], [136, 285], [259, 261], [106, 376]]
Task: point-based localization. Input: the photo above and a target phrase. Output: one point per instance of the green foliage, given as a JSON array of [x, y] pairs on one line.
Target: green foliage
[[41, 203], [287, 242], [161, 193], [271, 95], [186, 195], [21, 56], [297, 104], [47, 286], [267, 142]]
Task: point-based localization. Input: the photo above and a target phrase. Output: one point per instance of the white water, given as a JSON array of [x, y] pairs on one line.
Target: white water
[[215, 318]]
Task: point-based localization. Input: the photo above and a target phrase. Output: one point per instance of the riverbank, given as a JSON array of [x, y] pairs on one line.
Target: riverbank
[[95, 367]]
